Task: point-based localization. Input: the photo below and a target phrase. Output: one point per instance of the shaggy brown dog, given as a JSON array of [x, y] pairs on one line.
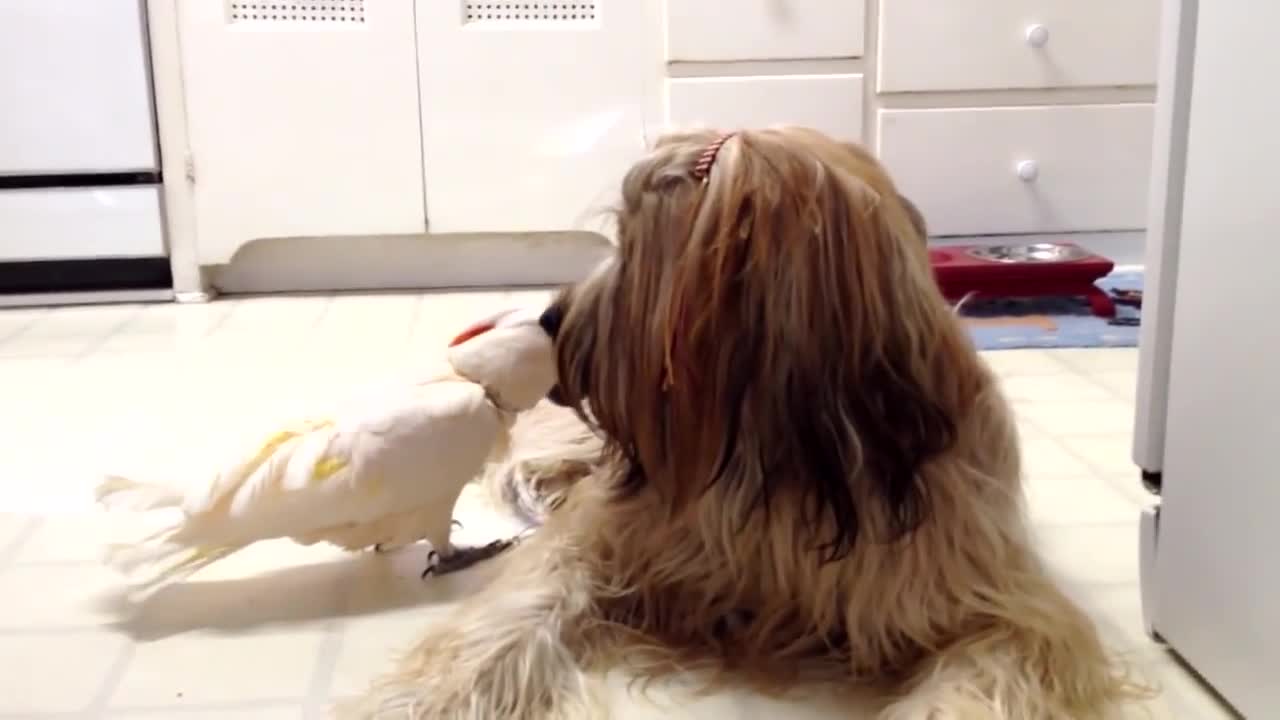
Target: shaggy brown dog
[[807, 473]]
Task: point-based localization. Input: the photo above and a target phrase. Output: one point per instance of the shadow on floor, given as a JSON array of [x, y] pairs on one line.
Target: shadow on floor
[[347, 587]]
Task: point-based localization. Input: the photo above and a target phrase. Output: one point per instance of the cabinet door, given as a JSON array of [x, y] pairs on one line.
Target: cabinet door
[[74, 91], [303, 120], [532, 112]]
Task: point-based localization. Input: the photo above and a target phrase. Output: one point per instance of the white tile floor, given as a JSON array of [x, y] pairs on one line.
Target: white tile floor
[[279, 631]]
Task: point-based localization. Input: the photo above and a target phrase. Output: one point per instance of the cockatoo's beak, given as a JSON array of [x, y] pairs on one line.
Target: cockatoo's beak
[[479, 328]]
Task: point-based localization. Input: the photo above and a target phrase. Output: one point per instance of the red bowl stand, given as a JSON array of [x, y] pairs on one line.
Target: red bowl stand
[[958, 274]]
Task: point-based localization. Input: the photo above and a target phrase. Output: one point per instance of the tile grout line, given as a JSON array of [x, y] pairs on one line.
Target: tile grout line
[[107, 336], [1054, 439], [111, 682], [320, 686], [1111, 393], [1087, 375], [9, 553], [21, 329], [324, 312], [28, 631], [1094, 470], [217, 324], [414, 315], [57, 563], [168, 711]]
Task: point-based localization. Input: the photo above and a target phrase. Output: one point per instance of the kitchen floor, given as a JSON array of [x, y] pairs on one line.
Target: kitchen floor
[[279, 631]]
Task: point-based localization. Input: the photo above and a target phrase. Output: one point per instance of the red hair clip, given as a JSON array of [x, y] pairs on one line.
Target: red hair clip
[[702, 168]]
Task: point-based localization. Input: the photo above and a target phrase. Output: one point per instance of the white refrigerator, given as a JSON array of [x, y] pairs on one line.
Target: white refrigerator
[[1208, 415]]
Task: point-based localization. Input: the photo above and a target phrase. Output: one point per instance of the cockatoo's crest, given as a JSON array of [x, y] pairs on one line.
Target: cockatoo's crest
[[510, 354]]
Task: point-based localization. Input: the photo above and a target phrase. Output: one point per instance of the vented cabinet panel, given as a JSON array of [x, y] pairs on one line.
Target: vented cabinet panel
[[304, 11], [304, 120], [538, 12]]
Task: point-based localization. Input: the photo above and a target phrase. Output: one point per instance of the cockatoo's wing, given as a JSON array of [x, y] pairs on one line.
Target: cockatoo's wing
[[361, 468]]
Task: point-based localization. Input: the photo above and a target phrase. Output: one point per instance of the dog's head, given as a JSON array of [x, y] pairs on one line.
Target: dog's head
[[771, 328]]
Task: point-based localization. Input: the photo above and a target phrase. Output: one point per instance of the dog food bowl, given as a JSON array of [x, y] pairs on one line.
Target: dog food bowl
[[1022, 271], [1033, 253]]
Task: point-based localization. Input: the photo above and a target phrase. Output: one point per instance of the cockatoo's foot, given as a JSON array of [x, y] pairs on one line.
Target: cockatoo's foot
[[461, 558]]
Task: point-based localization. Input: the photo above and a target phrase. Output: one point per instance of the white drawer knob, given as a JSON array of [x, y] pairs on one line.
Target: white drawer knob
[[1028, 170], [1037, 36]]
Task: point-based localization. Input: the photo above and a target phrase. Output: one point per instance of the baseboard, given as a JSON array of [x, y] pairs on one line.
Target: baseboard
[[409, 262], [89, 275], [94, 297]]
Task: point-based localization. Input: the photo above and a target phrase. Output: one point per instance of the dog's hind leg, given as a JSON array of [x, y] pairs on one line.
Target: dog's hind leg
[[1056, 669]]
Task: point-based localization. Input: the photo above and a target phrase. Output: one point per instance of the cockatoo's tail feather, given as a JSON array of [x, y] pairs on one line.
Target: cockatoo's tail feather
[[156, 561], [121, 492], [157, 557]]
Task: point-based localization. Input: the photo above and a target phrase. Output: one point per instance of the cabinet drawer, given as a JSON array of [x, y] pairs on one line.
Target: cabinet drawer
[[830, 103], [990, 44], [1022, 170], [81, 223], [726, 30]]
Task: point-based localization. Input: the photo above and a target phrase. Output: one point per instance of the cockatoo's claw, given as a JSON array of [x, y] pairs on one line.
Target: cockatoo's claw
[[380, 548], [433, 564], [455, 522], [461, 558]]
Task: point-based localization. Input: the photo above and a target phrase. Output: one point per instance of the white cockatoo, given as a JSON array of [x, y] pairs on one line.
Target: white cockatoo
[[382, 475]]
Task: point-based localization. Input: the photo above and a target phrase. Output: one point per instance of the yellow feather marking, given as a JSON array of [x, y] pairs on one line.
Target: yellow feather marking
[[274, 442], [327, 467]]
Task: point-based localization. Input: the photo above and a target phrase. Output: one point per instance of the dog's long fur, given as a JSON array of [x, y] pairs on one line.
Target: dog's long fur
[[807, 473]]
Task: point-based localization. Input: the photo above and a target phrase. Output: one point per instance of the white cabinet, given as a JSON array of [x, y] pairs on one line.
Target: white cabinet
[[499, 117], [830, 103], [933, 45], [302, 121], [981, 171], [711, 30]]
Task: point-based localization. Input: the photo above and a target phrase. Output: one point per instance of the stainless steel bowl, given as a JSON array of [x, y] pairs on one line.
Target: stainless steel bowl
[[1033, 253]]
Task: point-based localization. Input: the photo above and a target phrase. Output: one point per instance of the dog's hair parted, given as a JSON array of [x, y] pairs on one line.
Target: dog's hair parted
[[804, 471]]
